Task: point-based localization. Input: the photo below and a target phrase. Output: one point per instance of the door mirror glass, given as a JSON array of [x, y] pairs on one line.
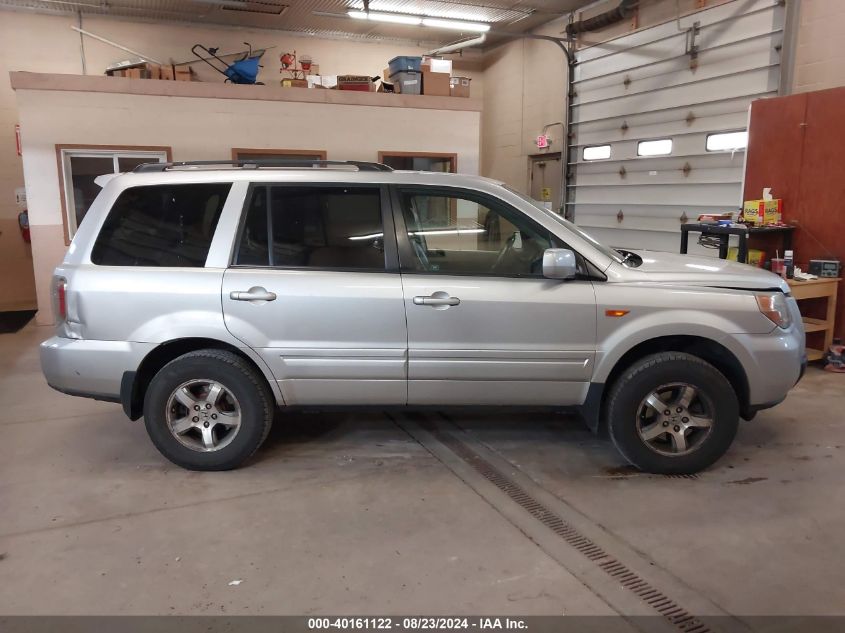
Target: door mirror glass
[[559, 263]]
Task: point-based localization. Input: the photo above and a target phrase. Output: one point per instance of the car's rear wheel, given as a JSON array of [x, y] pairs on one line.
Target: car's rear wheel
[[672, 413], [208, 410]]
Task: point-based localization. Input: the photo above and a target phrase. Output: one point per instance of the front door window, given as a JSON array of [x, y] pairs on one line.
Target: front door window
[[475, 237]]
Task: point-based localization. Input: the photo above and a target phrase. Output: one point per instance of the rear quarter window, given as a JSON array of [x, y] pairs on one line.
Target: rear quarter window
[[161, 225]]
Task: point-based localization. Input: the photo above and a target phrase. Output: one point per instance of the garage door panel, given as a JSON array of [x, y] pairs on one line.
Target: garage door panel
[[662, 163], [656, 177], [733, 59], [732, 121], [637, 120], [665, 98], [722, 194], [682, 145], [767, 13], [744, 84]]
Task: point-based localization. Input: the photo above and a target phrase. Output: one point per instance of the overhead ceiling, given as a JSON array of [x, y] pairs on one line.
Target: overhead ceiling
[[321, 17]]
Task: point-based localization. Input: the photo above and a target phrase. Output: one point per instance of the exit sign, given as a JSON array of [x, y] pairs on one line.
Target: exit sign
[[543, 141]]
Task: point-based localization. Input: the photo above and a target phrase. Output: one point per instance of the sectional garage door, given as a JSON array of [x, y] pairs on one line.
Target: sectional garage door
[[682, 81]]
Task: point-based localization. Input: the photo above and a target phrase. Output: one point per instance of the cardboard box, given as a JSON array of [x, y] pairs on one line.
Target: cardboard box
[[459, 86], [359, 83], [438, 65], [322, 81], [435, 84], [762, 212], [294, 83], [183, 73], [145, 70], [756, 257]]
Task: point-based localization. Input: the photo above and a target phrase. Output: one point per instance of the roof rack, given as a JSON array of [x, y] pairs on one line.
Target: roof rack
[[263, 163]]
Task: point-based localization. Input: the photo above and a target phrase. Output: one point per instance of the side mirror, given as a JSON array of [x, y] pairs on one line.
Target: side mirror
[[559, 263]]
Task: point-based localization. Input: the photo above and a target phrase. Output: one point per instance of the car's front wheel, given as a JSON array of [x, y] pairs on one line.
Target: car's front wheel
[[208, 410], [672, 413]]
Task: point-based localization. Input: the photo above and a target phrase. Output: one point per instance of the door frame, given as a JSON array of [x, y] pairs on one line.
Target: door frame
[[450, 156], [278, 152], [532, 158]]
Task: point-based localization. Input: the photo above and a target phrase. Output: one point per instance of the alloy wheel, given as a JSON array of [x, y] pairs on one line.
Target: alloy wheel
[[203, 415]]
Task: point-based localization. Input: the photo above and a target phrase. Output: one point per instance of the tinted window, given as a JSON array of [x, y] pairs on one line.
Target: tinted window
[[161, 225], [461, 235], [319, 227]]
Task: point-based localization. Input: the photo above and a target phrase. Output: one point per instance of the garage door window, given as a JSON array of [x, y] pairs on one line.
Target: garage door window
[[658, 147], [727, 141], [597, 152], [313, 227]]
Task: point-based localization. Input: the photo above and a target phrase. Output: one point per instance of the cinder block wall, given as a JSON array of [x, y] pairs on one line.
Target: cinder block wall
[[820, 50]]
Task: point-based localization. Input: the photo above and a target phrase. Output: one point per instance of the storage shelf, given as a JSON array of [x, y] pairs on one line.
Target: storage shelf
[[822, 288], [815, 325], [814, 354]]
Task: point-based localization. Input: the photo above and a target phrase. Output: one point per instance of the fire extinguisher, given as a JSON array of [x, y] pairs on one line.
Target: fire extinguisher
[[23, 222]]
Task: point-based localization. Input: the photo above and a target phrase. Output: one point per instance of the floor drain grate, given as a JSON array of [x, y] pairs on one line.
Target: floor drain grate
[[679, 617]]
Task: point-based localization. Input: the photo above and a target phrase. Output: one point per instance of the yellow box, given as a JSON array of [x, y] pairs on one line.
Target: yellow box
[[755, 257], [762, 212]]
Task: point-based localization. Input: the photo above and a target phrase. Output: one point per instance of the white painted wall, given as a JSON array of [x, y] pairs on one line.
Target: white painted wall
[[199, 128]]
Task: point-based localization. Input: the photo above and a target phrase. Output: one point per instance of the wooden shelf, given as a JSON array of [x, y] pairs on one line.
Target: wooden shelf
[[814, 354], [815, 325], [822, 288]]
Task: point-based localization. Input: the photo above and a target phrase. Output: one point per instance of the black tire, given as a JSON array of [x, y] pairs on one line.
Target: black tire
[[625, 415], [250, 390]]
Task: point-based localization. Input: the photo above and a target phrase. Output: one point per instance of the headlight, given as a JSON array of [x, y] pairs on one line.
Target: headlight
[[773, 306]]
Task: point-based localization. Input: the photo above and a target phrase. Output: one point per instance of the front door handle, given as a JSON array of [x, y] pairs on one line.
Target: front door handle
[[437, 300], [256, 293]]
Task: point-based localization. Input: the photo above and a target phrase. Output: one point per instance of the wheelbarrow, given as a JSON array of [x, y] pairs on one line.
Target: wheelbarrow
[[240, 71]]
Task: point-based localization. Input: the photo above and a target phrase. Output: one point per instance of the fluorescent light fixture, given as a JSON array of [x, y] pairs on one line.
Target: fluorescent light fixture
[[394, 18], [597, 152], [415, 20], [457, 25], [727, 141], [447, 232], [659, 147], [371, 236]]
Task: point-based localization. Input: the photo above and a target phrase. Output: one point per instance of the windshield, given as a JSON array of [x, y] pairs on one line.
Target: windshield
[[605, 250]]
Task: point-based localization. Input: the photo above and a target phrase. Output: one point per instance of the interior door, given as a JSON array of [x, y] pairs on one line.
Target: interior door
[[484, 326], [546, 175], [314, 288]]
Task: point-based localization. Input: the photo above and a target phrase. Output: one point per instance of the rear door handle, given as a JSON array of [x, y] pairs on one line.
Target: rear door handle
[[438, 299], [256, 293]]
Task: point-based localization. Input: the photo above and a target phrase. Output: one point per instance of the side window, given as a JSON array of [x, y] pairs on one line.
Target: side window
[[161, 225], [313, 227], [472, 238]]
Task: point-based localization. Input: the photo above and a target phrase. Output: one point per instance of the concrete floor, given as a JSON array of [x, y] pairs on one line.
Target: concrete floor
[[369, 514]]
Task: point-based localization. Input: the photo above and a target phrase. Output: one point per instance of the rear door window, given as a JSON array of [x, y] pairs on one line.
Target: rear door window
[[161, 225], [324, 227]]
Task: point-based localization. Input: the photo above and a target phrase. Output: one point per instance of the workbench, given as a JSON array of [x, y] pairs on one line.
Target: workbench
[[743, 232]]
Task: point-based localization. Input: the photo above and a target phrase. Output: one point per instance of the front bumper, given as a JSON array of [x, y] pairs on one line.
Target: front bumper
[[773, 364], [91, 369]]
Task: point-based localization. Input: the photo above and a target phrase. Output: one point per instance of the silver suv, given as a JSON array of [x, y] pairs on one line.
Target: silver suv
[[204, 296]]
